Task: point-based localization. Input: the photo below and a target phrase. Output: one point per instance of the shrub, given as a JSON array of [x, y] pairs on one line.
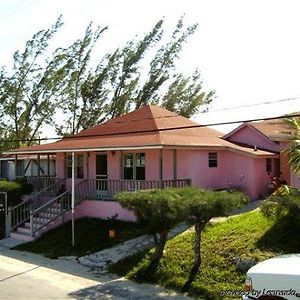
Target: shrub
[[15, 190], [283, 203], [156, 210]]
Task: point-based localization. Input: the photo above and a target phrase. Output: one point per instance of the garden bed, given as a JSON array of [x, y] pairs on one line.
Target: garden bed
[[91, 235]]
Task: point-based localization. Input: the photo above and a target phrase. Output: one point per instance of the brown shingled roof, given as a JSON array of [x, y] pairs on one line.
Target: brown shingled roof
[[272, 128], [142, 128]]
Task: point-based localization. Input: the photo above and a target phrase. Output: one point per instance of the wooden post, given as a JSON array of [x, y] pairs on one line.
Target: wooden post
[[16, 166], [73, 198], [48, 164], [87, 165], [39, 164], [161, 168], [174, 166]]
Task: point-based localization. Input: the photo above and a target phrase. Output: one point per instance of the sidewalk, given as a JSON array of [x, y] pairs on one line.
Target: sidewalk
[[29, 276]]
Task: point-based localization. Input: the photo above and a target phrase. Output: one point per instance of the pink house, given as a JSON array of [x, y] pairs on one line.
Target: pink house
[[272, 135], [148, 148]]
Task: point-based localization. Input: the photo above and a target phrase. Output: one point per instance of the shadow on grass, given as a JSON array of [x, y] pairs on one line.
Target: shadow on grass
[[138, 268], [283, 236]]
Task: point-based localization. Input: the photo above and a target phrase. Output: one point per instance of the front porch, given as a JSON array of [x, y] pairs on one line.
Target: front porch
[[52, 205], [89, 180]]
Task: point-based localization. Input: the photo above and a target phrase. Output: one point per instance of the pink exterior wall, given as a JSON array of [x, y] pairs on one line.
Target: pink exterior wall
[[234, 170], [104, 210], [250, 136], [93, 209]]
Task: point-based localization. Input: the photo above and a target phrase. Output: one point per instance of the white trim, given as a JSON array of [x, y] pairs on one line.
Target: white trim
[[226, 148], [204, 147], [84, 150]]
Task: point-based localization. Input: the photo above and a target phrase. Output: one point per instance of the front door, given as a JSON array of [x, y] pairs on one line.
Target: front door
[[101, 175]]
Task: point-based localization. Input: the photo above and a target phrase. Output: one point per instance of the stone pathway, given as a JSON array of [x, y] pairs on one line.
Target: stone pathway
[[100, 261]]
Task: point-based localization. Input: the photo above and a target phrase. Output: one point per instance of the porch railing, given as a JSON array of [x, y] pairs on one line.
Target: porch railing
[[41, 182], [103, 189], [21, 212], [57, 207]]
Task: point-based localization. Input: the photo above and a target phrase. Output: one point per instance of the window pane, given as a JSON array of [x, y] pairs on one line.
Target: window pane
[[78, 166], [128, 160], [79, 160], [140, 173], [69, 166], [269, 165], [212, 160], [140, 159], [128, 173]]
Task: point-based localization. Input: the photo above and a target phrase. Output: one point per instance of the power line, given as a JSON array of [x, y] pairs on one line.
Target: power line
[[155, 130], [12, 10], [252, 105]]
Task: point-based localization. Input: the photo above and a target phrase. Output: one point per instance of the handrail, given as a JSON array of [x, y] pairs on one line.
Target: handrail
[[21, 212], [47, 204], [60, 180], [50, 210]]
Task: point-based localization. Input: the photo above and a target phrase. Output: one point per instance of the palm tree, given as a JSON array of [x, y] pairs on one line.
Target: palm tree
[[294, 149]]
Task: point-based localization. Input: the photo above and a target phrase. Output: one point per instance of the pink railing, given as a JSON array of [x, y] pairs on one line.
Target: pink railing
[[103, 189]]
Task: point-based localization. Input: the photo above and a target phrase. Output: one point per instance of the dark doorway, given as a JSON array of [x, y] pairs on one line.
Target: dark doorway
[[101, 174]]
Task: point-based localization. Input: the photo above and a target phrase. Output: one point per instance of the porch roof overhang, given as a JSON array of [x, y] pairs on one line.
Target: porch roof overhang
[[97, 149], [205, 147]]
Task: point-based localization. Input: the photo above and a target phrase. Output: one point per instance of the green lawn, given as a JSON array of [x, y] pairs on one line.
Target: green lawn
[[91, 235], [248, 235]]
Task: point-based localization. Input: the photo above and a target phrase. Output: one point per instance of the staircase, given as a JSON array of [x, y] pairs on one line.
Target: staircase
[[43, 211], [39, 221]]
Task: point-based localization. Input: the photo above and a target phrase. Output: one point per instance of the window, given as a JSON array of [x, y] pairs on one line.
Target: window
[[212, 160], [78, 166], [269, 165], [134, 166]]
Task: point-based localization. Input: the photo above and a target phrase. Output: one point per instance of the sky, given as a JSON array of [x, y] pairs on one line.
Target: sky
[[247, 51]]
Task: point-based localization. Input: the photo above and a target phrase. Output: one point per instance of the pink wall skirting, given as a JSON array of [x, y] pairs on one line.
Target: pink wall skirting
[[94, 209]]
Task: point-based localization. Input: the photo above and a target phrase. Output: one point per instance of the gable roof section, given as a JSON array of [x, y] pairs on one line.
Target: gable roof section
[[270, 129], [147, 127]]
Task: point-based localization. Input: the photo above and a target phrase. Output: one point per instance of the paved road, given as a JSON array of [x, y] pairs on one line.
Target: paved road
[[29, 276], [23, 280]]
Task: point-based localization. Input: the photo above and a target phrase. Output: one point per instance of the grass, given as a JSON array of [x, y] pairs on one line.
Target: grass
[[248, 235], [91, 235]]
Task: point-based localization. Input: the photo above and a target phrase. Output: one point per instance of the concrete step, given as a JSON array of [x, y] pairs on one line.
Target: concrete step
[[21, 236], [23, 230]]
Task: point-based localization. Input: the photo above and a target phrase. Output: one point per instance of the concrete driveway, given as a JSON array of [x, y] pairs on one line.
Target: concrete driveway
[[28, 276]]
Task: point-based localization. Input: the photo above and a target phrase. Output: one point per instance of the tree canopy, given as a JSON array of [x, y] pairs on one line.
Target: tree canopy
[[86, 92]]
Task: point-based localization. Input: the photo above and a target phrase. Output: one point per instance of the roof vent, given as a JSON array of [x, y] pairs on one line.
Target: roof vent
[[255, 148]]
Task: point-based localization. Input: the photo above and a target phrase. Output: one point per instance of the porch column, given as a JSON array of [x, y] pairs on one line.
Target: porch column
[[174, 164], [73, 197], [39, 165], [121, 164], [161, 167], [88, 165], [16, 166], [48, 164]]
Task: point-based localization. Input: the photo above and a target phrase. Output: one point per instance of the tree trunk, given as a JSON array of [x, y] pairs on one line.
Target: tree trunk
[[197, 247], [197, 257], [159, 249]]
